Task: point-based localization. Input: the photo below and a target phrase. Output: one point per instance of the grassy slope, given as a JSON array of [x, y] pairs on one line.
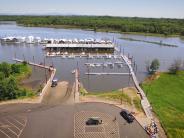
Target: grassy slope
[[25, 71], [118, 95], [166, 95], [115, 95]]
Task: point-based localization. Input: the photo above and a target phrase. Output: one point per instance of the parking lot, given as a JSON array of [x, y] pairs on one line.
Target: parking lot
[[65, 121], [108, 128]]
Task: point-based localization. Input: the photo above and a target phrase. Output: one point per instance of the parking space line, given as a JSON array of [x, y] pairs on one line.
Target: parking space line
[[4, 133], [16, 121], [23, 127], [12, 131], [109, 128], [13, 125]]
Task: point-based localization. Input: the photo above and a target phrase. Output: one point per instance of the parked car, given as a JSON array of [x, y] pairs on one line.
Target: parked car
[[94, 121], [127, 116], [54, 83]]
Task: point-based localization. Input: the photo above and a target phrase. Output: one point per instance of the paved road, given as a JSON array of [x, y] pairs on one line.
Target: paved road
[[57, 121]]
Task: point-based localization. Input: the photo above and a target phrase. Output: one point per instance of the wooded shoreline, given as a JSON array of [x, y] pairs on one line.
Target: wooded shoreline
[[147, 26]]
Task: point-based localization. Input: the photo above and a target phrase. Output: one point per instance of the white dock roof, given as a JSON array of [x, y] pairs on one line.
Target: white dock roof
[[80, 45]]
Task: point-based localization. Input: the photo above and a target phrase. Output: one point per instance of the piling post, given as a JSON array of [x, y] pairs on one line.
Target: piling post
[[45, 72], [24, 57]]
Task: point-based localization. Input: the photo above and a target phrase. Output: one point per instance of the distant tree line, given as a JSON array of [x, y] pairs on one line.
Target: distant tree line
[[9, 88], [108, 23]]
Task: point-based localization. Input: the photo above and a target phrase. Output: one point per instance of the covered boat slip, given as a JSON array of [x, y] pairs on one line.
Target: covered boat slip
[[80, 47]]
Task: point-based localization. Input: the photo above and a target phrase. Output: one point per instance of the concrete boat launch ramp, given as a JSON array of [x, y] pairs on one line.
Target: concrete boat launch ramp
[[61, 94]]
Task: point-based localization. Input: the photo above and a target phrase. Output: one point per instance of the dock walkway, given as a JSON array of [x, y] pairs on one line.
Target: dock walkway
[[144, 101], [34, 64]]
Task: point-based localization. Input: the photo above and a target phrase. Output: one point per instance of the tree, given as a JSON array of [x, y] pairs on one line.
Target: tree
[[176, 66], [11, 88], [2, 76], [2, 90], [155, 64], [15, 68], [182, 32], [6, 69]]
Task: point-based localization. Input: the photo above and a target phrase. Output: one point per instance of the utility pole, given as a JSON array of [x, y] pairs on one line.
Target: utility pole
[[45, 72]]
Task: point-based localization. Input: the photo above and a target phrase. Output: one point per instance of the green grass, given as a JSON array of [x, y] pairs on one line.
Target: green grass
[[83, 91], [137, 103], [166, 95], [25, 71]]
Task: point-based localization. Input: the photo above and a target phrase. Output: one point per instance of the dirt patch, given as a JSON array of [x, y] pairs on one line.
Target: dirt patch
[[152, 77]]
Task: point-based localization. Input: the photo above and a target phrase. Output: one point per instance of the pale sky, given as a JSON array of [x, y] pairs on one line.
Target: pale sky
[[139, 8]]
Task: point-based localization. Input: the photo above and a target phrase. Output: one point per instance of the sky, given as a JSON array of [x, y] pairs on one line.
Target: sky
[[125, 8]]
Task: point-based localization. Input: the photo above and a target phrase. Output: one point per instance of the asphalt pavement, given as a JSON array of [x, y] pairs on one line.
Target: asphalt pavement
[[57, 116]]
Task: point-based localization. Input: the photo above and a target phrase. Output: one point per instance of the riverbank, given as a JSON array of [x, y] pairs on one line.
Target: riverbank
[[11, 76], [166, 95]]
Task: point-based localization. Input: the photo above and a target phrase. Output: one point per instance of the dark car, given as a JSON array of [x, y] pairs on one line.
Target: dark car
[[94, 121], [127, 116], [54, 83]]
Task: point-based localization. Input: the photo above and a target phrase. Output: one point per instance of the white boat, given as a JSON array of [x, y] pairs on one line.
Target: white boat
[[65, 53], [92, 65], [108, 56], [120, 65], [58, 53], [30, 40], [71, 57], [37, 40], [83, 53], [63, 56], [105, 65], [89, 56], [21, 39], [97, 65]]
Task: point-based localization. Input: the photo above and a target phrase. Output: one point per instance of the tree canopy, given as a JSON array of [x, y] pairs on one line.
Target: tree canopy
[[154, 66], [121, 24], [9, 86]]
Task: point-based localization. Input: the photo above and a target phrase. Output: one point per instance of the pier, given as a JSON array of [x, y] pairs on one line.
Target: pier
[[49, 81], [144, 101], [33, 64]]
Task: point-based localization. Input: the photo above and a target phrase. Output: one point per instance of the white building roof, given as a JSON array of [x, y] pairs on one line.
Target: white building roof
[[80, 45]]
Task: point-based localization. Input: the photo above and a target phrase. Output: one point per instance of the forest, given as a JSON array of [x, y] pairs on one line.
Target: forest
[[162, 26]]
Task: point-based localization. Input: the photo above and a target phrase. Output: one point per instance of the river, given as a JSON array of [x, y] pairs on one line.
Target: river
[[141, 52]]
